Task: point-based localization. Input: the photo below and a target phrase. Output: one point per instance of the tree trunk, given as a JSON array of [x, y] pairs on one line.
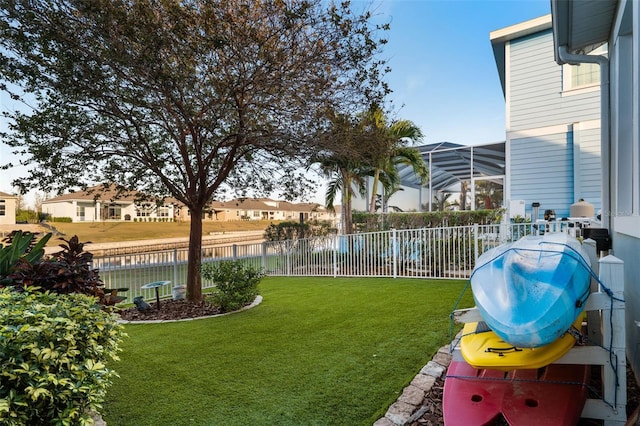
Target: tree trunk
[[346, 203], [374, 191], [194, 281]]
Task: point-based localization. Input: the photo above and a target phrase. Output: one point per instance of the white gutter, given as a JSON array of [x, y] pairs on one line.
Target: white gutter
[[605, 143]]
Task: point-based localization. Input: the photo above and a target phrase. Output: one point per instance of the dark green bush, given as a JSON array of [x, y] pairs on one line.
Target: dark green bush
[[61, 219], [53, 351], [67, 271], [290, 230], [236, 284], [367, 222]]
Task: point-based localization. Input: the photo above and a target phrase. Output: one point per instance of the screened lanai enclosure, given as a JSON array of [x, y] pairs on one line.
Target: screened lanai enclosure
[[465, 177]]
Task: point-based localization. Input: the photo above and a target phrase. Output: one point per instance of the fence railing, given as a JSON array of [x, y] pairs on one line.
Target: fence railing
[[448, 252]]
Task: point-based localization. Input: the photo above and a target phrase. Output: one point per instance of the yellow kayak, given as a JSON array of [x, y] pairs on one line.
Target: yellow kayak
[[484, 349]]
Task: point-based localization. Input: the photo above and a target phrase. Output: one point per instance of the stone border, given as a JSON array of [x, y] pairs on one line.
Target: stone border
[[255, 303], [409, 406]]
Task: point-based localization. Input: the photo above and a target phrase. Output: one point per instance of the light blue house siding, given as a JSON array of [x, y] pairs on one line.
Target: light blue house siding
[[553, 131], [588, 169], [542, 171], [536, 97]]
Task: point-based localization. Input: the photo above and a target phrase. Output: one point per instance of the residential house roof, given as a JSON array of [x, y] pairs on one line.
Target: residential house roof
[[583, 26], [499, 39], [99, 192], [5, 195], [110, 193], [266, 204]]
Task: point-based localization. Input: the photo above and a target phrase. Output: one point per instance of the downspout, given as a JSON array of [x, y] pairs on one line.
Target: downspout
[[605, 143]]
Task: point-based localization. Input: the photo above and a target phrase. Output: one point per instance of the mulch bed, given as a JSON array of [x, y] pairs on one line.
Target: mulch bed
[[170, 310]]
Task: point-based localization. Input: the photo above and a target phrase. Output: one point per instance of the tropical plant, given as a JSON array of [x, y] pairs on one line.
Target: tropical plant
[[391, 150], [441, 200], [19, 246], [345, 166], [53, 354], [67, 271], [488, 194], [188, 98], [464, 189]]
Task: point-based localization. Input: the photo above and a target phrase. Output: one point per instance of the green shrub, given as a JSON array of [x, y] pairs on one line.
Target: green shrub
[[67, 271], [53, 350], [290, 230], [61, 219], [367, 222], [26, 216], [236, 284]]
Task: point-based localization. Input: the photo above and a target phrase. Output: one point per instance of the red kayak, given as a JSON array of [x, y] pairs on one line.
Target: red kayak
[[552, 395]]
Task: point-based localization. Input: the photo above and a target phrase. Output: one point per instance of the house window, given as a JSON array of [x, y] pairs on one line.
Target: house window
[[163, 212], [3, 208], [256, 213], [114, 212], [80, 212], [583, 75]]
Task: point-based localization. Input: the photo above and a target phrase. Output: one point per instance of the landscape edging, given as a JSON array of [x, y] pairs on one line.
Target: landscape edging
[[255, 303]]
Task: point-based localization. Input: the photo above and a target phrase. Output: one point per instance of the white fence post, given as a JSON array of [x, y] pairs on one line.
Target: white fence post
[[614, 338], [336, 244], [395, 248], [476, 238], [175, 267], [594, 333]]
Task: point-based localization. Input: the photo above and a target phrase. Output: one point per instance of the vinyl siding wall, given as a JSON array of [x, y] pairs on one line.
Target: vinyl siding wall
[[536, 98], [542, 171], [588, 181], [545, 165]]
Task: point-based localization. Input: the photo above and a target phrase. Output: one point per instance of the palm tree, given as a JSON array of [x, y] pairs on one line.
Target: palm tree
[[346, 178], [345, 166], [441, 200], [390, 150], [464, 188]]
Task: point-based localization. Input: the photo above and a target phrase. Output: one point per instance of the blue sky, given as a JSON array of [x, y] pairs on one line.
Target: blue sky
[[443, 76], [443, 71]]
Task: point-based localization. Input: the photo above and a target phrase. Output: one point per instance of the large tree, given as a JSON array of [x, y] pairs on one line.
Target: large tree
[[182, 98]]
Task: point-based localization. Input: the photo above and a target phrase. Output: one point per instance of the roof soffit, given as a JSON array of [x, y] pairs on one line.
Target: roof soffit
[[582, 25]]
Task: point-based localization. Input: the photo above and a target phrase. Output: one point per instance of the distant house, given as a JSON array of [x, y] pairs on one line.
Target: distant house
[[260, 209], [8, 206], [552, 121], [95, 204]]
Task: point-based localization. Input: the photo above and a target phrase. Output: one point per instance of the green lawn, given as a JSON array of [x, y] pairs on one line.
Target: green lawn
[[104, 232], [317, 351]]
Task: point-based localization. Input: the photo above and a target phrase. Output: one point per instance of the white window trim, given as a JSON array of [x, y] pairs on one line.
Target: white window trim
[[628, 225], [567, 89]]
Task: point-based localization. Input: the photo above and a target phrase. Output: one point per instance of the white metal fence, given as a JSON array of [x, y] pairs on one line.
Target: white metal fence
[[448, 252]]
